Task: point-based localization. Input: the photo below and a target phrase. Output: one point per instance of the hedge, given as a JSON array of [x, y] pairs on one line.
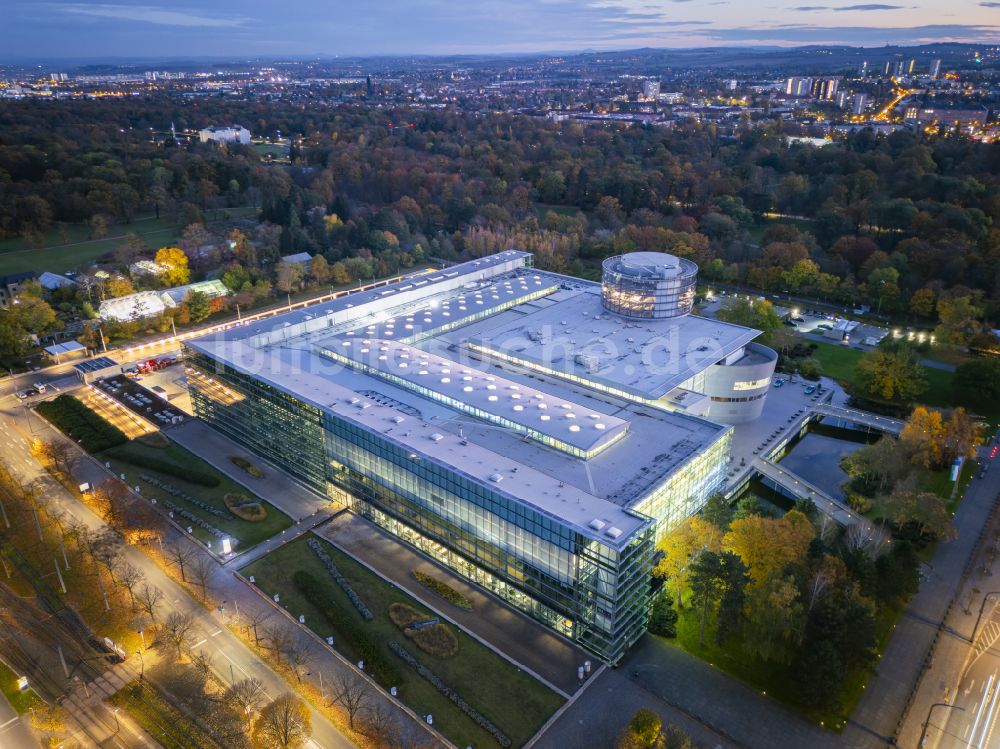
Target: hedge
[[81, 424], [351, 632], [128, 454]]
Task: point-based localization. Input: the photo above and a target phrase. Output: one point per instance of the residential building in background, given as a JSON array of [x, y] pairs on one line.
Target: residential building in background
[[935, 69], [534, 432], [650, 89], [231, 134]]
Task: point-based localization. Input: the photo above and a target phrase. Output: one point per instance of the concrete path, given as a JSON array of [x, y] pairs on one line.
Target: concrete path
[[522, 640]]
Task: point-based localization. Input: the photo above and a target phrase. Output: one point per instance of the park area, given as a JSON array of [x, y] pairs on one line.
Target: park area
[[504, 697], [202, 498], [72, 247], [840, 363]]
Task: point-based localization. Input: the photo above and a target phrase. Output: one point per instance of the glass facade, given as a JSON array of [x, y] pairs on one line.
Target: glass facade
[[592, 592], [634, 288]]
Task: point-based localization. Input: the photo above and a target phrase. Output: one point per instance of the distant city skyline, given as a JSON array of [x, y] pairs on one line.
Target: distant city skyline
[[140, 28]]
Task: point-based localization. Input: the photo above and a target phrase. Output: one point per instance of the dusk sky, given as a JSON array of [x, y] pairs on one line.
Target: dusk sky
[[32, 29]]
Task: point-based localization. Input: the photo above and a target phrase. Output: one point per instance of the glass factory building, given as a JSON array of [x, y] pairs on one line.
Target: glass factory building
[[518, 426]]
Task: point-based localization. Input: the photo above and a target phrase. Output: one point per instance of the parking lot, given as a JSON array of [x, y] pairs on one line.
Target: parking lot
[[141, 401]]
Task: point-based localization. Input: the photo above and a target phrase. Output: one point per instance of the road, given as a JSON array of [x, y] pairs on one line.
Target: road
[[971, 721], [230, 657]]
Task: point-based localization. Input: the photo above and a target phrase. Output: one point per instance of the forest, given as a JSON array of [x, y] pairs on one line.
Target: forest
[[907, 222]]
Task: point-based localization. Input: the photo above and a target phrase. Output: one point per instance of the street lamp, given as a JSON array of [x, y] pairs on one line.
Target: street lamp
[[982, 608], [142, 664], [118, 726], [923, 732]]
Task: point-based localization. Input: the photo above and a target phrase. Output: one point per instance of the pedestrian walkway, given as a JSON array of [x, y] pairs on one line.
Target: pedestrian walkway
[[529, 644], [861, 418], [802, 489], [299, 529]]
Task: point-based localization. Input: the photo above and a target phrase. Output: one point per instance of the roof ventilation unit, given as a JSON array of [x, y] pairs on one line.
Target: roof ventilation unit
[[613, 532], [597, 524]]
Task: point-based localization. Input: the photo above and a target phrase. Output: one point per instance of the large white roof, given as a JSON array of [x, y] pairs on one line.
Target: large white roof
[[425, 323]]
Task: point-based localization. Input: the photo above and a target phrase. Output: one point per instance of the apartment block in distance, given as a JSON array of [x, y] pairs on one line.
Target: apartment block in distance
[[536, 433]]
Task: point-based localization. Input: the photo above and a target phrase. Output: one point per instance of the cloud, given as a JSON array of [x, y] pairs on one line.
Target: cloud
[[808, 34], [871, 6], [990, 5], [868, 6], [148, 14]]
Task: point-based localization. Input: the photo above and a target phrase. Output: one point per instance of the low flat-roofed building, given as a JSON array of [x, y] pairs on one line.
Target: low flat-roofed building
[[453, 410]]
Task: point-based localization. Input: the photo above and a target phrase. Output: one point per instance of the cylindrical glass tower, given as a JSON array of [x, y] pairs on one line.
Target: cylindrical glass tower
[[648, 285]]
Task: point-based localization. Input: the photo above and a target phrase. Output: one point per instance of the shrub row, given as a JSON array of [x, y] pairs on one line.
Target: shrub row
[[81, 424], [365, 612], [353, 634], [196, 520], [442, 589], [131, 455], [174, 491], [483, 722]]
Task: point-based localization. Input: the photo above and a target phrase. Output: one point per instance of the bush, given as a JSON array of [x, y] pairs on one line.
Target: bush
[[80, 424], [663, 617], [247, 466], [244, 507], [859, 502], [129, 454], [349, 631], [443, 589], [437, 640]]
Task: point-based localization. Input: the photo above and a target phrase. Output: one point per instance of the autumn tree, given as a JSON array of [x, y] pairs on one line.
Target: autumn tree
[[246, 696], [319, 270], [352, 693], [677, 548], [175, 265], [288, 276], [149, 598], [176, 631], [767, 545], [924, 435], [891, 373], [284, 723]]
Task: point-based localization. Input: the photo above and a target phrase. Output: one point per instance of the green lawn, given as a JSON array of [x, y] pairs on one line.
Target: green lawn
[[275, 150], [513, 700], [247, 533], [76, 249], [165, 724], [840, 363], [775, 679], [20, 700]]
